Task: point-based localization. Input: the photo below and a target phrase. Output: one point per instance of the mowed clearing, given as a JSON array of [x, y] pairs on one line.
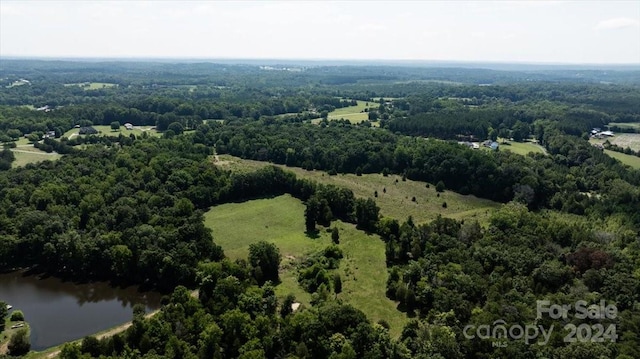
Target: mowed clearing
[[634, 125], [354, 114], [629, 160], [106, 130], [397, 202], [522, 148], [280, 220], [624, 140], [25, 157], [93, 85]]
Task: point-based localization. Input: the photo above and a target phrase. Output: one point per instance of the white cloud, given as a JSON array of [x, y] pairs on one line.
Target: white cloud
[[618, 23]]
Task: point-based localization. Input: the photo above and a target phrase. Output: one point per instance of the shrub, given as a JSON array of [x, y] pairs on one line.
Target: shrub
[[17, 316]]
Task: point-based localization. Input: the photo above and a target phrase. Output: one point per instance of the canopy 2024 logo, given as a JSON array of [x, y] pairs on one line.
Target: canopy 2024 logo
[[500, 333]]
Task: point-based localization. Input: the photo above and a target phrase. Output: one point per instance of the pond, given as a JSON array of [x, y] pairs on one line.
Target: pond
[[60, 311]]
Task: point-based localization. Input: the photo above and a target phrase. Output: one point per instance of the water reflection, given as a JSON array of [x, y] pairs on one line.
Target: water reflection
[[59, 311]]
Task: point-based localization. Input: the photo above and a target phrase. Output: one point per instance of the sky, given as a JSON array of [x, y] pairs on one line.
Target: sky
[[578, 32]]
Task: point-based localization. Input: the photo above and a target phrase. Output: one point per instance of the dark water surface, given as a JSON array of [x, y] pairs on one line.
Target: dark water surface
[[59, 311]]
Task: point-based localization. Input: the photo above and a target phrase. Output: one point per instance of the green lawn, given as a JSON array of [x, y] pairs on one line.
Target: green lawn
[[628, 160], [397, 201], [522, 148], [280, 220], [93, 85]]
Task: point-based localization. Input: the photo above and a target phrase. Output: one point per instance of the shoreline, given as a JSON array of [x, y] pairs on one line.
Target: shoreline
[[54, 351]]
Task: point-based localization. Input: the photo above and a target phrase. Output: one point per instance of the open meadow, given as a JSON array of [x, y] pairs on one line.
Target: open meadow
[[354, 114], [634, 125], [624, 140], [280, 220], [395, 197], [629, 160], [522, 148], [93, 85], [106, 130]]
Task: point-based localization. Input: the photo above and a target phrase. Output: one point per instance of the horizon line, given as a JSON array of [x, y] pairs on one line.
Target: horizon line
[[271, 59]]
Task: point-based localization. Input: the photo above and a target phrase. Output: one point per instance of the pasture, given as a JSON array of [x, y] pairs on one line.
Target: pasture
[[106, 130], [353, 114], [395, 197], [629, 160], [280, 220], [634, 125], [25, 157], [93, 85], [624, 140]]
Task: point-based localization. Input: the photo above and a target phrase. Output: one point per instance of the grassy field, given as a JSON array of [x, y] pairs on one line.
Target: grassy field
[[397, 201], [522, 148], [106, 130], [634, 125], [353, 114], [93, 85], [280, 220], [628, 160], [26, 155], [624, 140]]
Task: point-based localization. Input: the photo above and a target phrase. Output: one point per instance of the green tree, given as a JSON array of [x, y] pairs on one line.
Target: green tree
[[311, 214], [19, 343], [286, 309], [337, 283], [176, 127], [90, 345], [367, 213], [493, 134], [115, 125], [440, 187], [335, 235], [264, 258], [17, 316], [3, 314]]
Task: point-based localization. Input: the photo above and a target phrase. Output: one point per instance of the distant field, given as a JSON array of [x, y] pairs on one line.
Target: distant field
[[397, 201], [624, 140], [629, 160], [26, 155], [106, 130], [17, 83], [280, 220], [353, 114], [522, 148], [93, 85], [634, 125]]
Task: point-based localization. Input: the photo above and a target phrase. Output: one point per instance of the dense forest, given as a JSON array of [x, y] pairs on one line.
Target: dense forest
[[129, 207]]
